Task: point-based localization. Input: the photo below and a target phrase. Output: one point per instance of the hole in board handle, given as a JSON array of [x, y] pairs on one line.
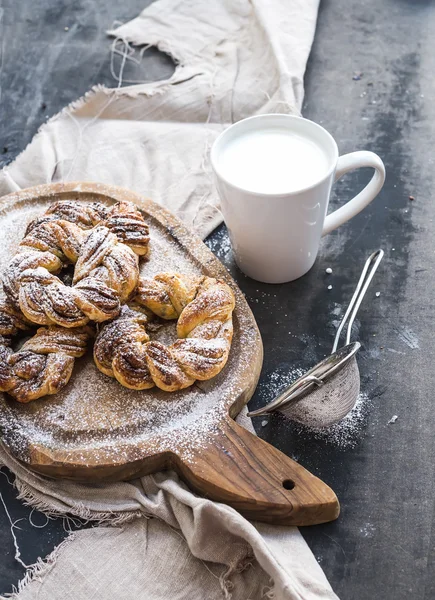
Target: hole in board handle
[[288, 484]]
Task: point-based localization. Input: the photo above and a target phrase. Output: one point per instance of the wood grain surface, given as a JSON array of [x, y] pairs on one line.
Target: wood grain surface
[[97, 430]]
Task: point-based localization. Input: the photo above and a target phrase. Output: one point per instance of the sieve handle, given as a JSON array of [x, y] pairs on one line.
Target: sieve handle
[[370, 267]]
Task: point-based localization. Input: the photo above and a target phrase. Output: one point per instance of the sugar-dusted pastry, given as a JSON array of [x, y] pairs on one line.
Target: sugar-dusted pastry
[[44, 363], [84, 215], [123, 218], [103, 244], [126, 221], [203, 307]]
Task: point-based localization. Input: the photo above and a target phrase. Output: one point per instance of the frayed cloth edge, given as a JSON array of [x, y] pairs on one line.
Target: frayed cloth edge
[[38, 570], [27, 496], [152, 89], [225, 579], [161, 45]]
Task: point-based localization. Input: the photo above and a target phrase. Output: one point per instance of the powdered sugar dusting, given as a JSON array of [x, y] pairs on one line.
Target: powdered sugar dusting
[[13, 224], [220, 246], [94, 415], [166, 255], [346, 433]]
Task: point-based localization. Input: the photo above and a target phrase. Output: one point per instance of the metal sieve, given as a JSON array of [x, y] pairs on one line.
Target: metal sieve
[[328, 391]]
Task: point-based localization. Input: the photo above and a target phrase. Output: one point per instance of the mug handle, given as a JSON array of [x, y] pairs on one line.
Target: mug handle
[[349, 162]]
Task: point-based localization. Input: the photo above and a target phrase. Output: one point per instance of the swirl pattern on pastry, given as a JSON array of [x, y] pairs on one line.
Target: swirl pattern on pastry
[[12, 320], [105, 258], [203, 307], [44, 363], [123, 219], [85, 216]]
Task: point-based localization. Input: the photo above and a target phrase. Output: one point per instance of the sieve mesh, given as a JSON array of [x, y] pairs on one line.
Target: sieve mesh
[[329, 403]]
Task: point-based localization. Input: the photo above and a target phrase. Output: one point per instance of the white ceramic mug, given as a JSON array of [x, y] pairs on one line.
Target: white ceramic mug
[[276, 236]]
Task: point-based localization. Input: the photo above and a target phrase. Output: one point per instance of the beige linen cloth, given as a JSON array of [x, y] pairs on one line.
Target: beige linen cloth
[[235, 58]]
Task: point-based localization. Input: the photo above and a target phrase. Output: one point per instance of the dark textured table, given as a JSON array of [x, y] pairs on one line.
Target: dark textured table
[[382, 546]]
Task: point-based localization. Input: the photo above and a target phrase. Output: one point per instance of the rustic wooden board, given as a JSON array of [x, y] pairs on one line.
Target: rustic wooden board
[[96, 430]]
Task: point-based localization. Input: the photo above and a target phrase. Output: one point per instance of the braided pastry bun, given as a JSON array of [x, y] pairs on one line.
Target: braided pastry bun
[[85, 216], [105, 257], [124, 219], [44, 363], [203, 306], [12, 320]]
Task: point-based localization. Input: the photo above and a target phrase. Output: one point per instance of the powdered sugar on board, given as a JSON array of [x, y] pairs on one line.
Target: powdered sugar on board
[[13, 228], [94, 413]]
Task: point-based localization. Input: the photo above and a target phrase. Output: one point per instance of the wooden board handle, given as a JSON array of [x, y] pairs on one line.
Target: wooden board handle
[[259, 481]]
